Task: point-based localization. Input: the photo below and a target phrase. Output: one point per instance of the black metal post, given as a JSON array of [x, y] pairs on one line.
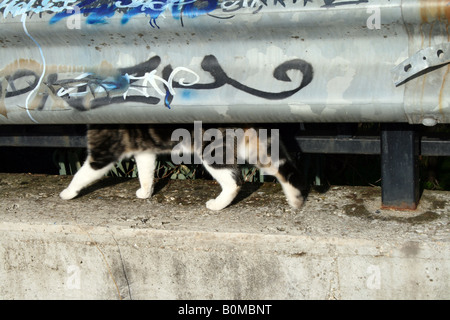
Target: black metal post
[[399, 166]]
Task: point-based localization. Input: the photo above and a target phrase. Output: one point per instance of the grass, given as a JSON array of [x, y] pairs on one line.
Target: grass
[[321, 170], [69, 162]]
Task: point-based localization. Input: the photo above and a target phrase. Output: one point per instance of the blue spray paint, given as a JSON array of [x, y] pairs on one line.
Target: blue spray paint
[[154, 12], [193, 9], [167, 99], [99, 11], [186, 94], [95, 15]]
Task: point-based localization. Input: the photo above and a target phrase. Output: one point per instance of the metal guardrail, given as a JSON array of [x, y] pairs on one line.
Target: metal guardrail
[[146, 61], [74, 136]]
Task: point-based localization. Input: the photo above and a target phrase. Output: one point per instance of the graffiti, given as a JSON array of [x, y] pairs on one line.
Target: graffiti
[[18, 8], [211, 65], [99, 11], [89, 90], [257, 5], [138, 84], [117, 89], [336, 3], [228, 6]]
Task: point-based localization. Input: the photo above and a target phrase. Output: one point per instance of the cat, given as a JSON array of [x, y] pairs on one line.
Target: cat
[[109, 143]]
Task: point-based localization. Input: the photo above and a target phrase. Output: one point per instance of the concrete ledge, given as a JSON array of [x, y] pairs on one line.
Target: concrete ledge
[[108, 245]]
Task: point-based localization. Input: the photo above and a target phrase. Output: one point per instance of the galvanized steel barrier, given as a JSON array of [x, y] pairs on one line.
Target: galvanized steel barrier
[[144, 61]]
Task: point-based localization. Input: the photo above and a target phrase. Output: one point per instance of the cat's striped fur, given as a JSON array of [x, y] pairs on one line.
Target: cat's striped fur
[[107, 144]]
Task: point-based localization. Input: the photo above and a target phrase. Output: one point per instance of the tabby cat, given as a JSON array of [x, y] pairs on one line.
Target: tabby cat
[[108, 144]]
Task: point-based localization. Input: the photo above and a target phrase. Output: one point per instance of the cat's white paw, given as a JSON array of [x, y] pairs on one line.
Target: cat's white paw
[[296, 203], [215, 204], [68, 194], [143, 194], [293, 195]]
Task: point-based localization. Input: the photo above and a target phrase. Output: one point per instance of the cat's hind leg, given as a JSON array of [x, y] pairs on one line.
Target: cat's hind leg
[[291, 180], [293, 186], [229, 179], [87, 174], [146, 164]]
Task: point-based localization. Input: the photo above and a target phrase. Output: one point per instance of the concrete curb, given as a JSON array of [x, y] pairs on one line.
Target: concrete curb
[[75, 262]]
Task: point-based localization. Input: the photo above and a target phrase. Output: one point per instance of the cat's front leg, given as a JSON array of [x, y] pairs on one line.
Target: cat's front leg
[[146, 164], [69, 193], [84, 177]]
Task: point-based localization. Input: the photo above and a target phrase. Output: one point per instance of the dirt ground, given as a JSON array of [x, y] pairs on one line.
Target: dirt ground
[[344, 212]]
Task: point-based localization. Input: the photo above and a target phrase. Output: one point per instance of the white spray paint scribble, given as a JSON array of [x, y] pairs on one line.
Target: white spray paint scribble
[[24, 17], [16, 8], [151, 78]]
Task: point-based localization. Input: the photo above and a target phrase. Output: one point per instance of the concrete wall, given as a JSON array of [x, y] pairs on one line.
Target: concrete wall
[[72, 262], [104, 245]]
